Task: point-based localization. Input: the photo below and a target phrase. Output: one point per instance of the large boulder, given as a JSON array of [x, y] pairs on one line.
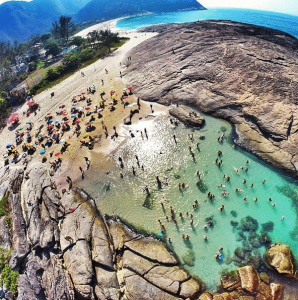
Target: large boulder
[[280, 257], [249, 279], [236, 71], [187, 115]]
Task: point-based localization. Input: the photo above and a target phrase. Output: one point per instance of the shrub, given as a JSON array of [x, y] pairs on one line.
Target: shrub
[[9, 279], [4, 206], [52, 74]]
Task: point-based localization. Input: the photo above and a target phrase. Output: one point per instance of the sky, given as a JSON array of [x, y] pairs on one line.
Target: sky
[[282, 6]]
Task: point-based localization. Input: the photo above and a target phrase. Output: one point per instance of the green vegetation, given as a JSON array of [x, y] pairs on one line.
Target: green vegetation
[[72, 62], [9, 279], [53, 48], [4, 206], [4, 255], [8, 221], [62, 29]]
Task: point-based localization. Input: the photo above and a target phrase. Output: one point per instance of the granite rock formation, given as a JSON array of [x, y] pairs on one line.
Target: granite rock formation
[[64, 249], [243, 73], [280, 257], [187, 116]]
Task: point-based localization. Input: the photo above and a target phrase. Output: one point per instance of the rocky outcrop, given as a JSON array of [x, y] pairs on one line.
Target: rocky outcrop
[[246, 284], [243, 73], [64, 249], [187, 116], [280, 257]]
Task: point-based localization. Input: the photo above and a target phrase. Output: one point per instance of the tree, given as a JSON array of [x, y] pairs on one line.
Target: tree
[[77, 41], [53, 48], [93, 36], [71, 60], [62, 29], [108, 38]]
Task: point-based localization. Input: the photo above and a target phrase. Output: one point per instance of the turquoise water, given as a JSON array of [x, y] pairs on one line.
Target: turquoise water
[[173, 163], [286, 23]]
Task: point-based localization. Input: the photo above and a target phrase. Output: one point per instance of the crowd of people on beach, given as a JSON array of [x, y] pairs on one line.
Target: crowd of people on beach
[[50, 138]]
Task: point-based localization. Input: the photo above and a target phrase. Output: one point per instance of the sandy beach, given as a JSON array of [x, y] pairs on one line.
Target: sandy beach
[[73, 158]]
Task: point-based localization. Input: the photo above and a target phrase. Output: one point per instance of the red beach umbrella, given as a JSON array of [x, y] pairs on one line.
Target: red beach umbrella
[[57, 154], [14, 117], [130, 87], [87, 107]]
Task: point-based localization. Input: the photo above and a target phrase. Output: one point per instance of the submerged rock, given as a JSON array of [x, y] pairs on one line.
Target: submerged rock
[[249, 224], [280, 257], [268, 227]]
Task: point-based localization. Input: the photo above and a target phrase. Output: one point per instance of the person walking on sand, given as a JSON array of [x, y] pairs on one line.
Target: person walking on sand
[[82, 172], [87, 160], [106, 71]]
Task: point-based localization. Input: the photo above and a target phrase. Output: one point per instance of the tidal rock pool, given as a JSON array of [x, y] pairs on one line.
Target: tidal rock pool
[[262, 210]]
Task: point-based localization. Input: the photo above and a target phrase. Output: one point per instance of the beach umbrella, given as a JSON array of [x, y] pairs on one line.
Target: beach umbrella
[[28, 122], [83, 93], [49, 121], [76, 121], [14, 117], [112, 92], [114, 97], [124, 89], [42, 152], [21, 128], [73, 116], [80, 108], [130, 87], [8, 145], [57, 121], [61, 141], [85, 135], [57, 154], [30, 103], [87, 107]]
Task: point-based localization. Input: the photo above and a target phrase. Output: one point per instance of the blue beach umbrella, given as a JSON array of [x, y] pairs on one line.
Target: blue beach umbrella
[[73, 116], [160, 234], [8, 146], [42, 152]]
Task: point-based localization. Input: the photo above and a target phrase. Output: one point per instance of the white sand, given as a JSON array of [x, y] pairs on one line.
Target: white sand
[[74, 85]]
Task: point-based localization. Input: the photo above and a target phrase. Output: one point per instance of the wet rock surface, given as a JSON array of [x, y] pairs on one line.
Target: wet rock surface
[[64, 249], [243, 73]]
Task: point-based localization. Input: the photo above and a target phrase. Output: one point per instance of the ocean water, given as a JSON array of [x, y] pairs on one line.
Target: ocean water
[[286, 23], [160, 156]]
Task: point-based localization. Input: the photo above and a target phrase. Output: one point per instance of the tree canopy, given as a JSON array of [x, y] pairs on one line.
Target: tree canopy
[[63, 28], [53, 48]]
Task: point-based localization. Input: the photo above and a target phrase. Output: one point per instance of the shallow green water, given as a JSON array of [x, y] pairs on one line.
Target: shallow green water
[[173, 163]]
